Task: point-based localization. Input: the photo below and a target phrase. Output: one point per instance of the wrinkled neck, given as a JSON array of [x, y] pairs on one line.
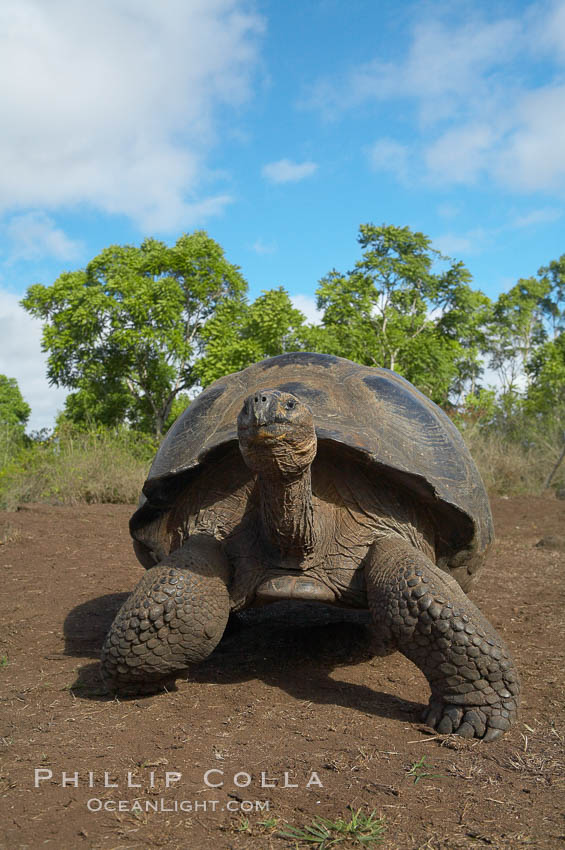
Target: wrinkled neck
[[287, 512]]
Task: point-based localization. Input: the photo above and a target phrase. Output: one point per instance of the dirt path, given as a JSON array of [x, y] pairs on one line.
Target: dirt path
[[288, 692]]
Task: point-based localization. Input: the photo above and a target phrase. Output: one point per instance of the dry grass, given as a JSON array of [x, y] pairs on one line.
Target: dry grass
[[111, 465], [539, 766], [509, 467], [92, 467], [9, 534]]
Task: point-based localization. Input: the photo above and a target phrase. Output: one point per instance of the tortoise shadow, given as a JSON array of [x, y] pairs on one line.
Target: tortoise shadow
[[296, 647], [289, 646], [87, 625]]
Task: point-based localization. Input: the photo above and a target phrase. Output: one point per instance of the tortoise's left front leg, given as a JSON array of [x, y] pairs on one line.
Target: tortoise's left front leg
[[174, 618], [423, 612]]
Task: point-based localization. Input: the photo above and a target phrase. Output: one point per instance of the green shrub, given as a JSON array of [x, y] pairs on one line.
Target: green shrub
[[102, 465], [12, 440], [111, 464]]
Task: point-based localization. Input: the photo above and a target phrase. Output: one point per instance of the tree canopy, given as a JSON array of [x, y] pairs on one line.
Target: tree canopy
[[240, 333], [14, 411], [404, 306], [138, 331], [126, 334]]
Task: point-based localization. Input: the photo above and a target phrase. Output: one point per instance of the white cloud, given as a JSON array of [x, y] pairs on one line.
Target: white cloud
[[535, 154], [35, 234], [551, 31], [260, 247], [307, 305], [449, 210], [475, 240], [460, 154], [286, 171], [486, 94], [471, 242], [444, 69], [442, 63], [115, 104], [535, 217], [21, 357], [453, 244], [388, 155]]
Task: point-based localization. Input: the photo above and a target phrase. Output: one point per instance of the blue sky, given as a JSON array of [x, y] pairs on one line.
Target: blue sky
[[278, 127]]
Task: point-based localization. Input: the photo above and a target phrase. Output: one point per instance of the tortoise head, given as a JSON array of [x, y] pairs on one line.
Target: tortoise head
[[276, 433]]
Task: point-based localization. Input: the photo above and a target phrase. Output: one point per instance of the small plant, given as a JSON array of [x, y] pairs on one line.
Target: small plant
[[3, 660], [360, 829], [419, 770], [243, 825], [9, 534], [269, 823]]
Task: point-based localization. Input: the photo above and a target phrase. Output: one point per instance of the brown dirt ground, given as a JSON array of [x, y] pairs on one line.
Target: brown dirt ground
[[288, 690]]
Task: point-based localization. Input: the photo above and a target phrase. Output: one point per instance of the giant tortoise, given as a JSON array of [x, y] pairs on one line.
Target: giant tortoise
[[309, 477]]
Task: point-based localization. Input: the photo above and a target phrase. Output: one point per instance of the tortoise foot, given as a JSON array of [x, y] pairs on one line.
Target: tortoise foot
[[475, 687], [174, 618], [123, 686], [484, 722]]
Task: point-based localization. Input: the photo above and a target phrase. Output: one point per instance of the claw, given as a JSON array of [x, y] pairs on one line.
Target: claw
[[479, 724], [433, 714], [455, 713], [445, 725], [447, 718], [132, 688], [466, 730], [492, 734]]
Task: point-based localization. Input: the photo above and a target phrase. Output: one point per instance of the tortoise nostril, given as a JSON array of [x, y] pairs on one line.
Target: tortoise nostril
[[263, 398], [256, 398]]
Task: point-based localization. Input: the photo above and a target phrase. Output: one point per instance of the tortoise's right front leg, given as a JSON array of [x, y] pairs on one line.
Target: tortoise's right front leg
[[424, 613], [174, 618]]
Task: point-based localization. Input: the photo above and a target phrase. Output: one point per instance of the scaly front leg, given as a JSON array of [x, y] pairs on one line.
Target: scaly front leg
[[174, 618], [424, 612]]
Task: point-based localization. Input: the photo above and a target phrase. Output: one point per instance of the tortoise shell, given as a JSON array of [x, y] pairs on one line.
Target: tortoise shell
[[371, 414]]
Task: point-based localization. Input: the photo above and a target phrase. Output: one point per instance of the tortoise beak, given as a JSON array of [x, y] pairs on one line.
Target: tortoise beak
[[266, 434], [263, 408]]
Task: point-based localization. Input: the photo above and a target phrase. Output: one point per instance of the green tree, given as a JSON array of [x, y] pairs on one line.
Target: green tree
[[516, 329], [546, 370], [242, 333], [14, 414], [14, 411], [464, 320], [127, 333], [544, 404], [405, 307], [553, 276]]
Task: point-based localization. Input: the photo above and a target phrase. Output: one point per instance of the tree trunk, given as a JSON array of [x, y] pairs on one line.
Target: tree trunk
[[556, 466], [159, 422]]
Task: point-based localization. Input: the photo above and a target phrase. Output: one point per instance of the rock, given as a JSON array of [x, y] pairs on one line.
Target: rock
[[552, 541]]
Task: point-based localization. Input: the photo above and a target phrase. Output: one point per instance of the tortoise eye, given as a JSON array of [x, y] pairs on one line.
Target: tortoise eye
[[290, 405]]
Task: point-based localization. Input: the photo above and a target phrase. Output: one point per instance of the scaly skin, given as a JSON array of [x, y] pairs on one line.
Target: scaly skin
[[284, 541], [174, 618], [425, 614]]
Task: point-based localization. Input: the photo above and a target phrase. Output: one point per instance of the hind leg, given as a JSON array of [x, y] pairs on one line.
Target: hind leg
[[174, 618], [423, 611]]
